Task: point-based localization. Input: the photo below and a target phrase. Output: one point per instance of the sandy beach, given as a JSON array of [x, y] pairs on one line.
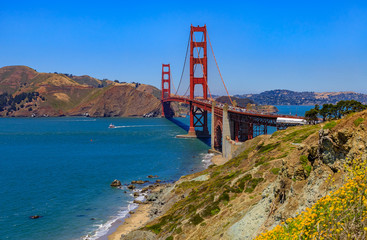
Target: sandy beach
[[157, 201], [135, 221]]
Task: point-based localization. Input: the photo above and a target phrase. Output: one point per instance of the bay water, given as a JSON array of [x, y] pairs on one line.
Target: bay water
[[61, 169]]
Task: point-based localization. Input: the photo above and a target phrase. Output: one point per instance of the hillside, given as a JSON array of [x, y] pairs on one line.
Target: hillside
[[25, 92], [271, 179], [287, 97]]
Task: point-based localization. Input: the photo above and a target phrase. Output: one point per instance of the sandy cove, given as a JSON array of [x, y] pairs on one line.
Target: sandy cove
[[159, 200]]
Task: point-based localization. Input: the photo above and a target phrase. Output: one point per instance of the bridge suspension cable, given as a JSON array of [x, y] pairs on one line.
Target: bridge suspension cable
[[202, 67], [211, 47], [188, 88], [183, 68]]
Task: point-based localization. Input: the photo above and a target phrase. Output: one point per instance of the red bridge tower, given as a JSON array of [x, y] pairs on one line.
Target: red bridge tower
[[166, 90], [198, 116]]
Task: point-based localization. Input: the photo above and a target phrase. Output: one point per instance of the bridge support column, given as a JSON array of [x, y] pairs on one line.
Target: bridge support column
[[166, 90], [226, 134], [192, 131], [214, 134]]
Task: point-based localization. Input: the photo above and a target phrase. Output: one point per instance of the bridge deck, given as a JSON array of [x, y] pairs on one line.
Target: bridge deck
[[240, 112]]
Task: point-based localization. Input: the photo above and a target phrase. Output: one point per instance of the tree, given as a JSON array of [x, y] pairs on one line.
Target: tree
[[311, 115]]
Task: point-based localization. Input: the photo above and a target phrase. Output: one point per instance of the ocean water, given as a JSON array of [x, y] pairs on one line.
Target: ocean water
[[61, 169], [294, 109]]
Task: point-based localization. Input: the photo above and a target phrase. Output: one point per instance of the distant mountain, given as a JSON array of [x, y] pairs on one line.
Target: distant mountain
[[26, 92], [287, 97]]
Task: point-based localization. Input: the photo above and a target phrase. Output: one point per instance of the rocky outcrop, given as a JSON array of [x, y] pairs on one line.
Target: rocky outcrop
[[138, 182], [116, 183]]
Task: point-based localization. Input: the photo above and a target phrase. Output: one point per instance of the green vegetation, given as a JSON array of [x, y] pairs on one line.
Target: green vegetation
[[297, 136], [358, 121], [252, 184], [268, 148], [196, 219], [305, 164], [188, 185], [275, 171], [330, 125], [7, 101]]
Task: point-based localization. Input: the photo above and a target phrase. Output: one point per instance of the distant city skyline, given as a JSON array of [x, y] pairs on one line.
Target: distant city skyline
[[300, 46]]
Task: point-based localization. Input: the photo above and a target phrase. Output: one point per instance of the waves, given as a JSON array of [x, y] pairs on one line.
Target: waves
[[207, 159], [103, 230]]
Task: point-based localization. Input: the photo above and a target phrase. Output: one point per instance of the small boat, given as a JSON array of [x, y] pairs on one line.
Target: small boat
[[111, 126]]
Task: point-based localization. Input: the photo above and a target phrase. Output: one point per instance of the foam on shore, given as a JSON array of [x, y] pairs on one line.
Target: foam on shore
[[104, 230], [207, 159]]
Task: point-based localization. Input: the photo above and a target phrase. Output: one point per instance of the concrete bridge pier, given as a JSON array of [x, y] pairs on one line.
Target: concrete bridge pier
[[230, 134]]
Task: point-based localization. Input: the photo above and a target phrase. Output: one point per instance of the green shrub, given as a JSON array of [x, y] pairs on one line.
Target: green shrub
[[196, 219], [303, 159], [307, 169], [305, 164], [215, 211], [268, 148], [252, 184], [330, 125], [358, 121], [169, 238], [275, 171], [224, 197], [208, 210]]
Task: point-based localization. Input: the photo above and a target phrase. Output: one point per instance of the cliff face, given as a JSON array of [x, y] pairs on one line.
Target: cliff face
[[65, 94], [271, 179], [123, 101]]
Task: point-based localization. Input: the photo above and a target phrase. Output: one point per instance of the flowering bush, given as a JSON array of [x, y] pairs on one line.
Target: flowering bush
[[340, 215]]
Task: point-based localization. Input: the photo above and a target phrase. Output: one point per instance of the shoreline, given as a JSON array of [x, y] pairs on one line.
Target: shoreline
[[157, 202], [146, 211]]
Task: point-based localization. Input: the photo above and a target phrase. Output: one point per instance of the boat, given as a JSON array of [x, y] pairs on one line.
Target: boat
[[111, 126]]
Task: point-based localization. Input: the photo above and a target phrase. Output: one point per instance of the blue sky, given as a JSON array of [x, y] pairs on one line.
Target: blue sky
[[259, 45]]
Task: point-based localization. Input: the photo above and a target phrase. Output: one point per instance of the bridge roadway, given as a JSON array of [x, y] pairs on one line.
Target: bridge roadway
[[259, 118]]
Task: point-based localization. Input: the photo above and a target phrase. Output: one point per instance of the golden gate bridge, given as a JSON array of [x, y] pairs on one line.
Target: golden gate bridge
[[229, 124]]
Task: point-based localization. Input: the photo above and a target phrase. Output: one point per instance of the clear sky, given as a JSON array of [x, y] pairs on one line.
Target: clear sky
[[259, 45]]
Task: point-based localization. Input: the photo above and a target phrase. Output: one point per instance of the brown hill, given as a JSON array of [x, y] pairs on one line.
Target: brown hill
[[14, 77], [119, 101], [63, 94]]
